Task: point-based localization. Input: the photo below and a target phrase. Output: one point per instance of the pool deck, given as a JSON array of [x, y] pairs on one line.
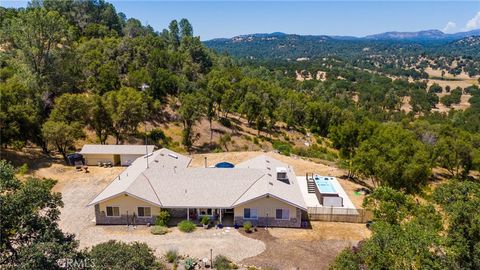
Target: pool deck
[[311, 199]]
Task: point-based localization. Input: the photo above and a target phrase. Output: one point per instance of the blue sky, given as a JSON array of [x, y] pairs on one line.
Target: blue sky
[[216, 19]]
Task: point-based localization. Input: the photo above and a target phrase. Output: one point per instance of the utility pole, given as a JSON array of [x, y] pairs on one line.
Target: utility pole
[[145, 86]]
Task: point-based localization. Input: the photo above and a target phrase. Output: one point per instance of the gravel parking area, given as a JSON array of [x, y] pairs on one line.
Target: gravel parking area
[[78, 188]]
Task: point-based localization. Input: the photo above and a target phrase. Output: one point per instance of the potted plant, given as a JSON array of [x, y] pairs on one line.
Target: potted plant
[[205, 221]]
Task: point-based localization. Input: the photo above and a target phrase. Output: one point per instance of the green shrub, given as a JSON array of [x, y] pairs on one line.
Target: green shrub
[[205, 220], [315, 151], [189, 263], [158, 137], [225, 122], [222, 263], [159, 230], [186, 226], [18, 145], [118, 255], [247, 226], [171, 256], [283, 147], [23, 169], [163, 218], [435, 88], [454, 97], [255, 140], [246, 137]]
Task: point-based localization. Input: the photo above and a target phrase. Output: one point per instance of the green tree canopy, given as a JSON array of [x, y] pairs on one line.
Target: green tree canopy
[[62, 135], [127, 108], [118, 255], [393, 157], [405, 235], [30, 236]]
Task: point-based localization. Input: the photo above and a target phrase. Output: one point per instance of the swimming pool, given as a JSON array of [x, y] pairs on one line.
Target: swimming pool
[[324, 185]]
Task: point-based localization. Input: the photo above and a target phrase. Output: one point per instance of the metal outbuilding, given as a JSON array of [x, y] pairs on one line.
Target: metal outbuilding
[[122, 155]]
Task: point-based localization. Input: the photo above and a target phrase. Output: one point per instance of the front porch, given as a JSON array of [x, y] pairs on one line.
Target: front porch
[[216, 215]]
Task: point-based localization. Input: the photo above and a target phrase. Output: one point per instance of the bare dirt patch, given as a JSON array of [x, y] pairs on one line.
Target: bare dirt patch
[[406, 106], [305, 249], [461, 80], [463, 105]]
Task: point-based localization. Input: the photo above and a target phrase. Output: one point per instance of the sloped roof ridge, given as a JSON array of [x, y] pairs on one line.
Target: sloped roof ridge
[[151, 186], [241, 195]]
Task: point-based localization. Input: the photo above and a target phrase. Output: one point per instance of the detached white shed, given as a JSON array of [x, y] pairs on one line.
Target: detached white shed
[[122, 155]]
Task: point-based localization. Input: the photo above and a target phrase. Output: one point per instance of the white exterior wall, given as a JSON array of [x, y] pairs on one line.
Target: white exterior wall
[[126, 160]]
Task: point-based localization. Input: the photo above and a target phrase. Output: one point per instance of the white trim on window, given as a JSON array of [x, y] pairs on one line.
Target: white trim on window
[[113, 212], [253, 213], [145, 216], [285, 213]]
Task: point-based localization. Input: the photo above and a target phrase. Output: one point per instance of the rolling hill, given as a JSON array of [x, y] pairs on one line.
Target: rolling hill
[[291, 46]]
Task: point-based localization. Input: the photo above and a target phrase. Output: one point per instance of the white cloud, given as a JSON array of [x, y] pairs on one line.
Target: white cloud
[[449, 27], [473, 23]]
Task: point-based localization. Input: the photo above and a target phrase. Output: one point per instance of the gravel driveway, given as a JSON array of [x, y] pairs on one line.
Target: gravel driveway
[[78, 189]]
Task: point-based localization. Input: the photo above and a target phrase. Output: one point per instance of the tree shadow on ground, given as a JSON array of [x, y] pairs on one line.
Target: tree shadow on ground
[[33, 157]]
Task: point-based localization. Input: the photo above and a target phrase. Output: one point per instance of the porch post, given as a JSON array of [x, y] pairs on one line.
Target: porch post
[[220, 217], [188, 213]]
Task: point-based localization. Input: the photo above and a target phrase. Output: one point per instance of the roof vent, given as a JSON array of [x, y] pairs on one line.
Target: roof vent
[[173, 156]]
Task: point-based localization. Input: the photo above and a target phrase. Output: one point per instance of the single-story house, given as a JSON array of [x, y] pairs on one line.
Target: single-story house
[[261, 190], [123, 155]]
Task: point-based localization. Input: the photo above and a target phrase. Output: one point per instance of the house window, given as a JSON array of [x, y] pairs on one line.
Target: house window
[[250, 213], [282, 214], [113, 211], [205, 211], [144, 212]]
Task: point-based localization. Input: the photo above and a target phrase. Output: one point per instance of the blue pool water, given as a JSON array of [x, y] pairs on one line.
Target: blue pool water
[[324, 185]]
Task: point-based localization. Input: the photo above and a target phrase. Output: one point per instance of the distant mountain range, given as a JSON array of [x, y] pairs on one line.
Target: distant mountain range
[[419, 35], [291, 46], [424, 35]]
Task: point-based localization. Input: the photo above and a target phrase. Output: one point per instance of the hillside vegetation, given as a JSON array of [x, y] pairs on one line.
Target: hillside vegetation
[[76, 71]]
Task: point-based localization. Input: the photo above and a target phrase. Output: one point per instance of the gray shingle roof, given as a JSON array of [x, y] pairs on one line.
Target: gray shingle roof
[[126, 182], [288, 191], [117, 149], [168, 182]]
